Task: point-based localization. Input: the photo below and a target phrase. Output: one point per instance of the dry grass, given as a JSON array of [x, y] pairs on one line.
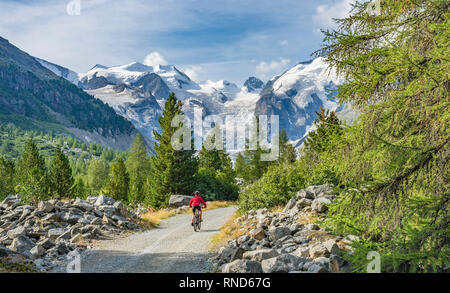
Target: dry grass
[[232, 229]]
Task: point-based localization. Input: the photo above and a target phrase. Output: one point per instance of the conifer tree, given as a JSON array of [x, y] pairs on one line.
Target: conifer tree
[[172, 171], [6, 177], [97, 174], [117, 185], [61, 175], [138, 166], [31, 175], [395, 63]]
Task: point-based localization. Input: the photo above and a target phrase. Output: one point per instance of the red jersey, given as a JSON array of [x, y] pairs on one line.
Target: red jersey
[[196, 201]]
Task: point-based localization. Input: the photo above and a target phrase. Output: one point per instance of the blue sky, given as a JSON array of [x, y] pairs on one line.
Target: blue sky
[[228, 39]]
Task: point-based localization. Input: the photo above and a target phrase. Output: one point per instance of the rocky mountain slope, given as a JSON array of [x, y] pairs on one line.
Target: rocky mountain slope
[[30, 92]]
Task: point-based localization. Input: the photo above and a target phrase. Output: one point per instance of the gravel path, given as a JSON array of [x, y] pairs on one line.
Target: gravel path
[[172, 247]]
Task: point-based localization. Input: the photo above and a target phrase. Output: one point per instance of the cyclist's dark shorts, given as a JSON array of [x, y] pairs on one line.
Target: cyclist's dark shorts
[[196, 208]]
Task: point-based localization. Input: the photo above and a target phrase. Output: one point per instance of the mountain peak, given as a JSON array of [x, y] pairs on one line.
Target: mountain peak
[[253, 84]]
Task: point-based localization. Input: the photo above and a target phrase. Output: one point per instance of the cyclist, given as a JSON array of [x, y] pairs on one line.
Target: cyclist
[[196, 204]]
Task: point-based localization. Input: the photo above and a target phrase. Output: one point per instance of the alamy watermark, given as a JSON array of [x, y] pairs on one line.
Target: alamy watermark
[[374, 8], [230, 133], [374, 266], [73, 8], [74, 264]]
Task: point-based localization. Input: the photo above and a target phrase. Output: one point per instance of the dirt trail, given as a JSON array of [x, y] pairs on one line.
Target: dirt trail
[[171, 247]]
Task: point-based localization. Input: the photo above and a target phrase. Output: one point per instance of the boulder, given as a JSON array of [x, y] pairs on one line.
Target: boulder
[[283, 263], [305, 194], [177, 201], [18, 231], [45, 207], [289, 205], [101, 200], [332, 246], [21, 244], [258, 234], [304, 202], [319, 204], [237, 253], [55, 233], [83, 205], [47, 243], [260, 255], [276, 233], [242, 266], [302, 252], [320, 190], [318, 250], [315, 268], [37, 251]]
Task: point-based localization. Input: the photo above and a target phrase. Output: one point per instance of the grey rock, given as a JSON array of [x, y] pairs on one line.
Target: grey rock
[[258, 234], [45, 206], [332, 246], [242, 266], [55, 233], [260, 255], [62, 248], [37, 251], [304, 202], [276, 233], [302, 252], [283, 263], [318, 250], [312, 227], [320, 204], [305, 194], [101, 200], [315, 268], [83, 205], [14, 233], [289, 205], [46, 243], [177, 201], [318, 190], [237, 253], [22, 244]]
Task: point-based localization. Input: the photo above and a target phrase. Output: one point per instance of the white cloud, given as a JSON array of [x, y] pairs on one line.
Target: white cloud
[[155, 58], [325, 13], [284, 43], [193, 72], [268, 69]]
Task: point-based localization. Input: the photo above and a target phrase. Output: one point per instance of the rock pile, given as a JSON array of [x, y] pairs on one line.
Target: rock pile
[[287, 242], [44, 235]]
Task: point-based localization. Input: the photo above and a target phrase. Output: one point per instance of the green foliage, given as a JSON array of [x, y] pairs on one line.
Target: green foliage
[[79, 189], [61, 175], [138, 166], [394, 162], [216, 177], [276, 187], [118, 182], [97, 174], [172, 171], [31, 175], [6, 177]]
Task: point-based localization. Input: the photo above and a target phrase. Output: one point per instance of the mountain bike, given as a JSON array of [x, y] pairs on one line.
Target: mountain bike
[[197, 221]]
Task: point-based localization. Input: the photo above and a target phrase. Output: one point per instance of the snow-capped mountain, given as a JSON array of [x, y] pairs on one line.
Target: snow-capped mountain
[[138, 92], [297, 94]]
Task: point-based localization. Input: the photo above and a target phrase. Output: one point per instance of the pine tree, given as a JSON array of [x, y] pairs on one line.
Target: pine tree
[[117, 185], [61, 175], [31, 175], [138, 166], [79, 189], [396, 65], [6, 177], [172, 171], [290, 154], [97, 174]]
